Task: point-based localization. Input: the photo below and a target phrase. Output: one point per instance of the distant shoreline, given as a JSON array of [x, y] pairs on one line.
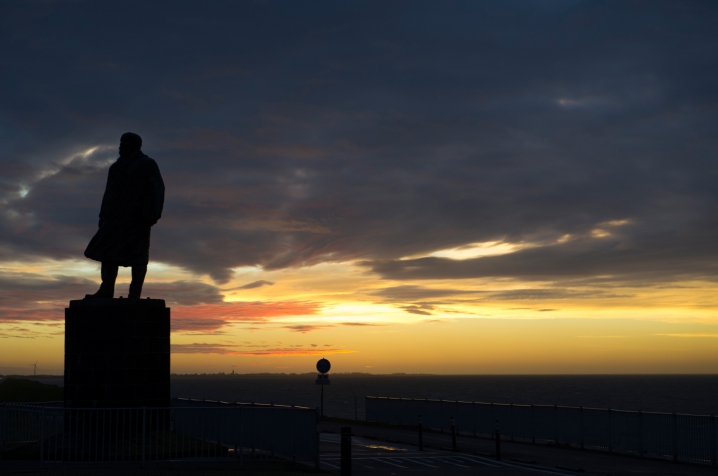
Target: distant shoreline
[[397, 374]]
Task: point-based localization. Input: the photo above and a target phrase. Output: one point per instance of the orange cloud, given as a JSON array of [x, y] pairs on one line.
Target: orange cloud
[[207, 317]]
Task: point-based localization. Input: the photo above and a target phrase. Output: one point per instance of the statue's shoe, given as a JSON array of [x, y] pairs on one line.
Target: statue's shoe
[[99, 295]]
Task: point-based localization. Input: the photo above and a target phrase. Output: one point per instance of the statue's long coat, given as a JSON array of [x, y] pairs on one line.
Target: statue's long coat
[[132, 203]]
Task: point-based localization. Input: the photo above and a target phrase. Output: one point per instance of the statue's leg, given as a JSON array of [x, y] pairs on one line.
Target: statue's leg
[[107, 288], [138, 278]]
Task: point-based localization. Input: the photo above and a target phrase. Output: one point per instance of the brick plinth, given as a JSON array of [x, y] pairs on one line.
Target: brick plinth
[[117, 353]]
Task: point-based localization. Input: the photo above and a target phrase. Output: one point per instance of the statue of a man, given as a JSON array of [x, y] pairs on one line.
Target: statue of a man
[[132, 203]]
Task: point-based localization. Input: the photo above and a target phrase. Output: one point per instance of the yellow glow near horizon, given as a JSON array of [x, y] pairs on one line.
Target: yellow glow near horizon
[[465, 326]]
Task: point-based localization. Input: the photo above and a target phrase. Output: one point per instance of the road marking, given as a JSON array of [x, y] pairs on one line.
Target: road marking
[[419, 462], [389, 462], [480, 461], [451, 462]]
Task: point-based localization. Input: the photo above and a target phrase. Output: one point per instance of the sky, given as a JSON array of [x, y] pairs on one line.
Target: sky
[[455, 187]]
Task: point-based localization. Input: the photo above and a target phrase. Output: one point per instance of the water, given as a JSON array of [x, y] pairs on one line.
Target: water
[[696, 394]]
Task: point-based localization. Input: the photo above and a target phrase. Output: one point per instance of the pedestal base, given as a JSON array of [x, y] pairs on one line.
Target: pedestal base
[[117, 353]]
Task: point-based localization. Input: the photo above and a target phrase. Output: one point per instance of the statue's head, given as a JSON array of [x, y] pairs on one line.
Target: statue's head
[[130, 143]]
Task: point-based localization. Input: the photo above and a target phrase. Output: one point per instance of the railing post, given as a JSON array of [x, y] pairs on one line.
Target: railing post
[[346, 451], [441, 414], [533, 425], [42, 435], [453, 435], [493, 417], [674, 419], [473, 418], [497, 435], [555, 424], [421, 435], [580, 426], [640, 433], [4, 428], [610, 431], [713, 440], [316, 455], [144, 419], [511, 421]]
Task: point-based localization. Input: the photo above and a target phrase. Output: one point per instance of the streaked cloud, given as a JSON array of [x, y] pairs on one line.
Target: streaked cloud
[[712, 336], [253, 285], [228, 349]]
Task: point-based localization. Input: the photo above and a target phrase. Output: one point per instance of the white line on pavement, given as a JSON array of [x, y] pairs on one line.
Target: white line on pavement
[[419, 462], [451, 462], [389, 462]]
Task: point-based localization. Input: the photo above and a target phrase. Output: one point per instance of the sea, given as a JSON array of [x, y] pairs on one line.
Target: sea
[[346, 394]]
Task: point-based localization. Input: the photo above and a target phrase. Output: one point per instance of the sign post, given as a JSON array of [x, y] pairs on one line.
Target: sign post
[[323, 367]]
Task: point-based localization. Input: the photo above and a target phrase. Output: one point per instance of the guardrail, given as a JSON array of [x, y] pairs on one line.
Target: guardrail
[[190, 429], [673, 436]]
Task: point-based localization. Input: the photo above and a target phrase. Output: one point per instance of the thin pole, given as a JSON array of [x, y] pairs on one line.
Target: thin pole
[[712, 427], [555, 424], [322, 401], [42, 435], [346, 451], [610, 431], [453, 435], [675, 436], [144, 414], [533, 426], [580, 426], [4, 428], [511, 409], [316, 454], [640, 433]]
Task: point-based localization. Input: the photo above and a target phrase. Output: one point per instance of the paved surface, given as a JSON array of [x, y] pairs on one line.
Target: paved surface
[[372, 457], [26, 469], [478, 453]]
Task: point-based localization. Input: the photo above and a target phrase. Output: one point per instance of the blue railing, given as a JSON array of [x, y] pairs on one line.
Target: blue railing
[[189, 430], [678, 437]]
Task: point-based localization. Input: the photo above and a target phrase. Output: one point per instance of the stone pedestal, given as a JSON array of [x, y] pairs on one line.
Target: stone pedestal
[[117, 353]]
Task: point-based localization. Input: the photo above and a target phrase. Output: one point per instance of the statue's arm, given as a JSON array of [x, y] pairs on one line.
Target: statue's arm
[[156, 194]]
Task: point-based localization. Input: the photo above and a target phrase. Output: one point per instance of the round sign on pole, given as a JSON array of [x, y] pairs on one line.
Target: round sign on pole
[[323, 366]]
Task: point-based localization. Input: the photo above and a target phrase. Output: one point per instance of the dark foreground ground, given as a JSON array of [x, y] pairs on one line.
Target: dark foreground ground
[[382, 451], [128, 471], [390, 451]]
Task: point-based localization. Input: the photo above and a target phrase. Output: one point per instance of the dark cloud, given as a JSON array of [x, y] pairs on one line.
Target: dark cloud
[[253, 285], [304, 328], [624, 259], [184, 293], [291, 135], [413, 293], [420, 309]]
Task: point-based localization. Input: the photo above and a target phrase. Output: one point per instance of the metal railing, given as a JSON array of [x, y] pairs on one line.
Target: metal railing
[[678, 437], [189, 430]]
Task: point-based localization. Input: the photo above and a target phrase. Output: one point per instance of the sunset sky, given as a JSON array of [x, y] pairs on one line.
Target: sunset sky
[[454, 187]]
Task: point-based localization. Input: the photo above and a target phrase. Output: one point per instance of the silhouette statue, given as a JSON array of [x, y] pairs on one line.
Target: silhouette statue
[[132, 203]]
